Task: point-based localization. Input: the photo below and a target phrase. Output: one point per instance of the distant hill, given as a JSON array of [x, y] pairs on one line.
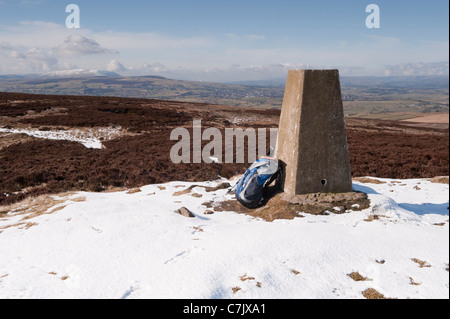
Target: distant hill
[[79, 73], [363, 96], [99, 83]]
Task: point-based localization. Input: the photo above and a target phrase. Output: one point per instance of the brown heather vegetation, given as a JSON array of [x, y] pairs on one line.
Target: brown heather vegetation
[[32, 167]]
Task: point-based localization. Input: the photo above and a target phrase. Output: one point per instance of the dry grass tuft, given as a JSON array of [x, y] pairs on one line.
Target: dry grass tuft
[[356, 276], [439, 224], [57, 209], [440, 180], [29, 225], [422, 263], [208, 189], [373, 294], [371, 218], [236, 289], [198, 229], [32, 207], [134, 191], [412, 282], [197, 195], [183, 192], [367, 180], [245, 278]]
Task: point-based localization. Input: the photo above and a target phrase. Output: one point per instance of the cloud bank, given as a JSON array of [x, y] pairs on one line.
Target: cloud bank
[[408, 69], [224, 57], [76, 44]]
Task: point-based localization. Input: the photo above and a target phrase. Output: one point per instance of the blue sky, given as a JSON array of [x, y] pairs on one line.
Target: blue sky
[[225, 40]]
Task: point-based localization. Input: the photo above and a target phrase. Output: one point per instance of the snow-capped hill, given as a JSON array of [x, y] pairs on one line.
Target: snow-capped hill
[[80, 73]]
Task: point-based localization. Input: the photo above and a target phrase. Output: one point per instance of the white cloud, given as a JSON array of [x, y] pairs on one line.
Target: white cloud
[[5, 46], [115, 66], [407, 69], [77, 44], [33, 34], [36, 45], [153, 68], [23, 51], [88, 49], [31, 60], [17, 55], [123, 41]]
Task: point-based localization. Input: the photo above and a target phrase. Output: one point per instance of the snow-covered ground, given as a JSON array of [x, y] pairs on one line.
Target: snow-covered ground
[[132, 245], [89, 137]]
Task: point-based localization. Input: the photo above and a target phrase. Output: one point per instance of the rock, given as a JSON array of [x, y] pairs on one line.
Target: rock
[[312, 137], [183, 211]]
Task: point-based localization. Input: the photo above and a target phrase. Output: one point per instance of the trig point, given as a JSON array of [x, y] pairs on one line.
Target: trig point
[[312, 138]]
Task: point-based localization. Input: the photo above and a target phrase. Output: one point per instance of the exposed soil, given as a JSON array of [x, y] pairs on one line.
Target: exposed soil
[[373, 294], [31, 166], [284, 206]]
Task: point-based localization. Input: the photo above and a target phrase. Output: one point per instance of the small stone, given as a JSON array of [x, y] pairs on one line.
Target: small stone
[[183, 211]]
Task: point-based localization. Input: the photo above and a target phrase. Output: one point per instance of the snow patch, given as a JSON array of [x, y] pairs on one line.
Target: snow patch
[[89, 137], [133, 245]]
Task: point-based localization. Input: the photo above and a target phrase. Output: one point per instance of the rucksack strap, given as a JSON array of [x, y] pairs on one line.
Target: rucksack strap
[[275, 176]]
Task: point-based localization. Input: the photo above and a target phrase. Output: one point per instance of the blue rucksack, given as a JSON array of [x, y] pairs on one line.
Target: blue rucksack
[[253, 187]]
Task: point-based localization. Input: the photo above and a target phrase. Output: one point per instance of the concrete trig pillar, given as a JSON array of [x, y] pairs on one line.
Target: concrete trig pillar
[[312, 137]]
